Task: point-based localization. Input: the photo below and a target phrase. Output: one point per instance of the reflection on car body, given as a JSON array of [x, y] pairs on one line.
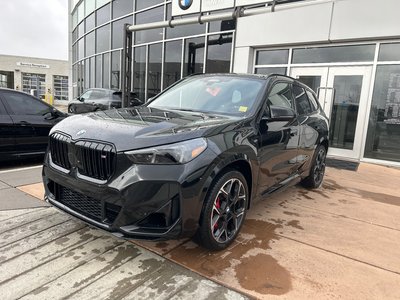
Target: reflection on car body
[[191, 160]]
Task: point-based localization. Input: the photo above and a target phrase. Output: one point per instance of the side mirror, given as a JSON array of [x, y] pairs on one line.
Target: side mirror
[[79, 99], [281, 113], [55, 113], [51, 114]]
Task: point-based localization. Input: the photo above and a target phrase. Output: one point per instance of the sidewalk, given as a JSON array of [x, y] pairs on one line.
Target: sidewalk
[[45, 254], [341, 241]]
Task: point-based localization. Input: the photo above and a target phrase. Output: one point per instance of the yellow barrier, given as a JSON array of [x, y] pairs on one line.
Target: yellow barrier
[[49, 99]]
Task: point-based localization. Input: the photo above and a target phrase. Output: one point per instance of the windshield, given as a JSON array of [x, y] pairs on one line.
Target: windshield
[[217, 94]]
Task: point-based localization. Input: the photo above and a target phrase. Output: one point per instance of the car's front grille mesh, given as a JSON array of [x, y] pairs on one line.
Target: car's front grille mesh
[[80, 203], [93, 159], [87, 206], [59, 150]]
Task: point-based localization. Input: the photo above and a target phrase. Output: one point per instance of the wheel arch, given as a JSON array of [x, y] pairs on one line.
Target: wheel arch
[[240, 163]]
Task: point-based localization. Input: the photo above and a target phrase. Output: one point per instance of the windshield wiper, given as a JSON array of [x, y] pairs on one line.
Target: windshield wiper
[[186, 109]]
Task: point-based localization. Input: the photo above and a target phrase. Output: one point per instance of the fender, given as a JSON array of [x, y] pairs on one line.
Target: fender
[[222, 161]]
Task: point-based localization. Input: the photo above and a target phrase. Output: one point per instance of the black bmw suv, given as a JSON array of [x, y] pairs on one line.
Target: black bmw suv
[[191, 160]]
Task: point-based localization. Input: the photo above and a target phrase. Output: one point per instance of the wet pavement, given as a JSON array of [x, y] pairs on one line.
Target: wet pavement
[[46, 254], [340, 241]]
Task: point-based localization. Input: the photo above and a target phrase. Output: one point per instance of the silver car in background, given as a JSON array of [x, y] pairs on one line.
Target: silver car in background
[[99, 99]]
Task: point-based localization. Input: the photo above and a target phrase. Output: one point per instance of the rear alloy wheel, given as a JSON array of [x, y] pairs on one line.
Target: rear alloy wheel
[[317, 172], [224, 211]]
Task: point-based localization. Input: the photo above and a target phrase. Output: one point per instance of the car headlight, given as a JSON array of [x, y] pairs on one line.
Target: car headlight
[[178, 153]]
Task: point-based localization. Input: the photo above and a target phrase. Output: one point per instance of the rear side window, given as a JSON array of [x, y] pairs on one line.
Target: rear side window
[[98, 94], [303, 105], [86, 95], [23, 104], [281, 95]]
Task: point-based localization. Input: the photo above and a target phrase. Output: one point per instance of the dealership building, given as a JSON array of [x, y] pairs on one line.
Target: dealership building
[[40, 76], [348, 51]]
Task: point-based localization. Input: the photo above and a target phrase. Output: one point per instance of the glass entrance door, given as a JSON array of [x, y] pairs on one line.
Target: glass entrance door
[[343, 94], [316, 78]]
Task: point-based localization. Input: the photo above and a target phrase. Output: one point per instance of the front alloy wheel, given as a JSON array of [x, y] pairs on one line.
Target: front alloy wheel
[[228, 210], [224, 211]]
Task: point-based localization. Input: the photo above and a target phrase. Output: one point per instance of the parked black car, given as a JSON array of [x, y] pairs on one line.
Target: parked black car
[[193, 159], [99, 99], [25, 123]]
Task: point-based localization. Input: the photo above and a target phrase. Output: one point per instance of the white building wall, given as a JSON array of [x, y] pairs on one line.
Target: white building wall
[[365, 19], [243, 58]]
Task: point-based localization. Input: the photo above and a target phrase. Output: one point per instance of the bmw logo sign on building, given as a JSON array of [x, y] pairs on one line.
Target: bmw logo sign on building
[[185, 7], [185, 4]]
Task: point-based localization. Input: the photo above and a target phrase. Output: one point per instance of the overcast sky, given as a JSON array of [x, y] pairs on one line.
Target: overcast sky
[[36, 28]]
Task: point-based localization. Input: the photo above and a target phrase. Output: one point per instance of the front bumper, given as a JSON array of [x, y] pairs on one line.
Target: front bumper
[[139, 201]]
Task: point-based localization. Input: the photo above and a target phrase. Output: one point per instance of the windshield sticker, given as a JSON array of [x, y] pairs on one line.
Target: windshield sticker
[[213, 91], [243, 108]]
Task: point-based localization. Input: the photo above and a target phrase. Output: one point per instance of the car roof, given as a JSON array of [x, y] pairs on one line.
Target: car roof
[[101, 89]]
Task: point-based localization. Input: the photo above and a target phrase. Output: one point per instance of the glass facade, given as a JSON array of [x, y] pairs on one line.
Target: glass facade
[[270, 61], [160, 56], [353, 53], [383, 137], [60, 87], [7, 79], [163, 56], [31, 81], [382, 140], [3, 80], [345, 107]]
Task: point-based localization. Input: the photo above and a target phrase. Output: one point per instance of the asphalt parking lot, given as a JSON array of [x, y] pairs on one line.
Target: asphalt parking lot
[[341, 241]]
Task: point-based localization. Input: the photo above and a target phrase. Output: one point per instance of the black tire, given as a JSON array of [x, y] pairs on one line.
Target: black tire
[[71, 109], [224, 211], [317, 170]]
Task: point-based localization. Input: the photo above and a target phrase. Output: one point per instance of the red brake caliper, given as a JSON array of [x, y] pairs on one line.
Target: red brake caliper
[[217, 205]]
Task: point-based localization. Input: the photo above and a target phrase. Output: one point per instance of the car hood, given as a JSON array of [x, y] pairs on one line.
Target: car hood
[[141, 127]]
